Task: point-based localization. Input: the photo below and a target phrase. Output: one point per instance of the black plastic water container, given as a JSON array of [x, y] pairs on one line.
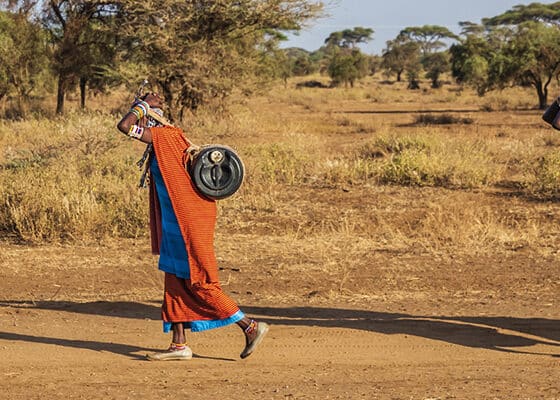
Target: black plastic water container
[[551, 112]]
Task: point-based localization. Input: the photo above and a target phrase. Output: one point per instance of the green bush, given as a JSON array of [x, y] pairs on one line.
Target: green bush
[[443, 119], [420, 168], [279, 163], [546, 182], [396, 145], [419, 161]]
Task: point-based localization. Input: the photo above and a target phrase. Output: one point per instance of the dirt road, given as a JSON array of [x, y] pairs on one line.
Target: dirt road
[[76, 323]]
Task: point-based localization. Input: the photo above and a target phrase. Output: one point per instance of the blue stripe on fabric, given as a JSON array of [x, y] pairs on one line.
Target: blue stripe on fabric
[[168, 326], [199, 326], [173, 257]]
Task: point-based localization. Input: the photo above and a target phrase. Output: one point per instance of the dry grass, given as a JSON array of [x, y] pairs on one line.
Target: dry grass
[[343, 171], [68, 179]]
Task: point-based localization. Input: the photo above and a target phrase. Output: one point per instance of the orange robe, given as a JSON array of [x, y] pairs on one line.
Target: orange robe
[[198, 301]]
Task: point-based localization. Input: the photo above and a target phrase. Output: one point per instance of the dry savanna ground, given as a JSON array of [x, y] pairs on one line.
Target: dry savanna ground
[[402, 245]]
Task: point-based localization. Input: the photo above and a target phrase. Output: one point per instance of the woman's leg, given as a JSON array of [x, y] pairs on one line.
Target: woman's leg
[[179, 333], [254, 333], [178, 350]]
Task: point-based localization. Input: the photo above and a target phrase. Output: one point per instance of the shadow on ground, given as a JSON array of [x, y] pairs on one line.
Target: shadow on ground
[[117, 348], [493, 333]]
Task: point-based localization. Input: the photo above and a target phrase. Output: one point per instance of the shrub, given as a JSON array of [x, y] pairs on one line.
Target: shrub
[[424, 160], [279, 163], [437, 168], [81, 185], [546, 182], [443, 119], [395, 145]]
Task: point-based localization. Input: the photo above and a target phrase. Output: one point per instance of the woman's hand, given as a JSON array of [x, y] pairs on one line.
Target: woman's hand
[[154, 100]]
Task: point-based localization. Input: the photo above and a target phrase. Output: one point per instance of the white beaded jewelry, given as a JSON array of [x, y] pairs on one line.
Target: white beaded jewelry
[[135, 131]]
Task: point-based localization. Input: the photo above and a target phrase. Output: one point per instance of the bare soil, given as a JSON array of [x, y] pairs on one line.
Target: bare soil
[[77, 321]]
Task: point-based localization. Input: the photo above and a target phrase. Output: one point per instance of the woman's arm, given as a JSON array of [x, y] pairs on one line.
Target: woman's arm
[[133, 122]]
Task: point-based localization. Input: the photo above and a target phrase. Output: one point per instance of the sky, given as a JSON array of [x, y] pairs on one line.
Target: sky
[[388, 17]]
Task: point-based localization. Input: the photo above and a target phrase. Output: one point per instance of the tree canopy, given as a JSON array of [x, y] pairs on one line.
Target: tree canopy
[[345, 63], [400, 55], [194, 50], [83, 35], [519, 47], [199, 50], [547, 13], [429, 37], [349, 38], [23, 57]]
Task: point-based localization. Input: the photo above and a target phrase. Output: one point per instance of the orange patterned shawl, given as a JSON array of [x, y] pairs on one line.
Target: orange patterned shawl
[[201, 297]]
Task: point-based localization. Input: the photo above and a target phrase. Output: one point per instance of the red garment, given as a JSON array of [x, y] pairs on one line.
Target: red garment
[[200, 297]]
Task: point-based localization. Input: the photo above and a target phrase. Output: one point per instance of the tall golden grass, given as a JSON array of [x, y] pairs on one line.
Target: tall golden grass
[[321, 164], [71, 178]]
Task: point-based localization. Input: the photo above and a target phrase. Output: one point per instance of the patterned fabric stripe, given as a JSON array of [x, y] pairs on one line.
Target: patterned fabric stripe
[[200, 298], [199, 308], [173, 254], [155, 220], [199, 326], [195, 214]]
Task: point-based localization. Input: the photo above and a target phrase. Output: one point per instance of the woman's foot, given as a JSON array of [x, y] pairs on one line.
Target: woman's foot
[[254, 334], [174, 352]]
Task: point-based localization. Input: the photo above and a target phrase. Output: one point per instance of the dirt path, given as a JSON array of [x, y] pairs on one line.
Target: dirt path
[[90, 342], [96, 351]]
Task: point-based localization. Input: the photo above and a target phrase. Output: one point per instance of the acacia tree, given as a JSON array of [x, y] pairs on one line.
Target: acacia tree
[[545, 13], [300, 62], [345, 62], [274, 62], [529, 54], [401, 55], [430, 41], [470, 58], [436, 64], [199, 50], [23, 56], [519, 47], [83, 35], [429, 37], [478, 59], [530, 59], [349, 38], [346, 67]]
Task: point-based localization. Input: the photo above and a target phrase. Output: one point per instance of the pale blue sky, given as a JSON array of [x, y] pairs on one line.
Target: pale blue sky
[[388, 17]]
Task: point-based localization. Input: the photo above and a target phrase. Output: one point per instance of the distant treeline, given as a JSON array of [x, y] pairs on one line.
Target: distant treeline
[[199, 51]]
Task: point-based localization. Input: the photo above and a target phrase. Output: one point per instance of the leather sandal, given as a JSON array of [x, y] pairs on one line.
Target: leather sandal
[[250, 346]]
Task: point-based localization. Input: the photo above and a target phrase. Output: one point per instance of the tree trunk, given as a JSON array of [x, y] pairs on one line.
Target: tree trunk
[[413, 84], [168, 97], [542, 92], [60, 95], [399, 74], [83, 84], [181, 115]]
